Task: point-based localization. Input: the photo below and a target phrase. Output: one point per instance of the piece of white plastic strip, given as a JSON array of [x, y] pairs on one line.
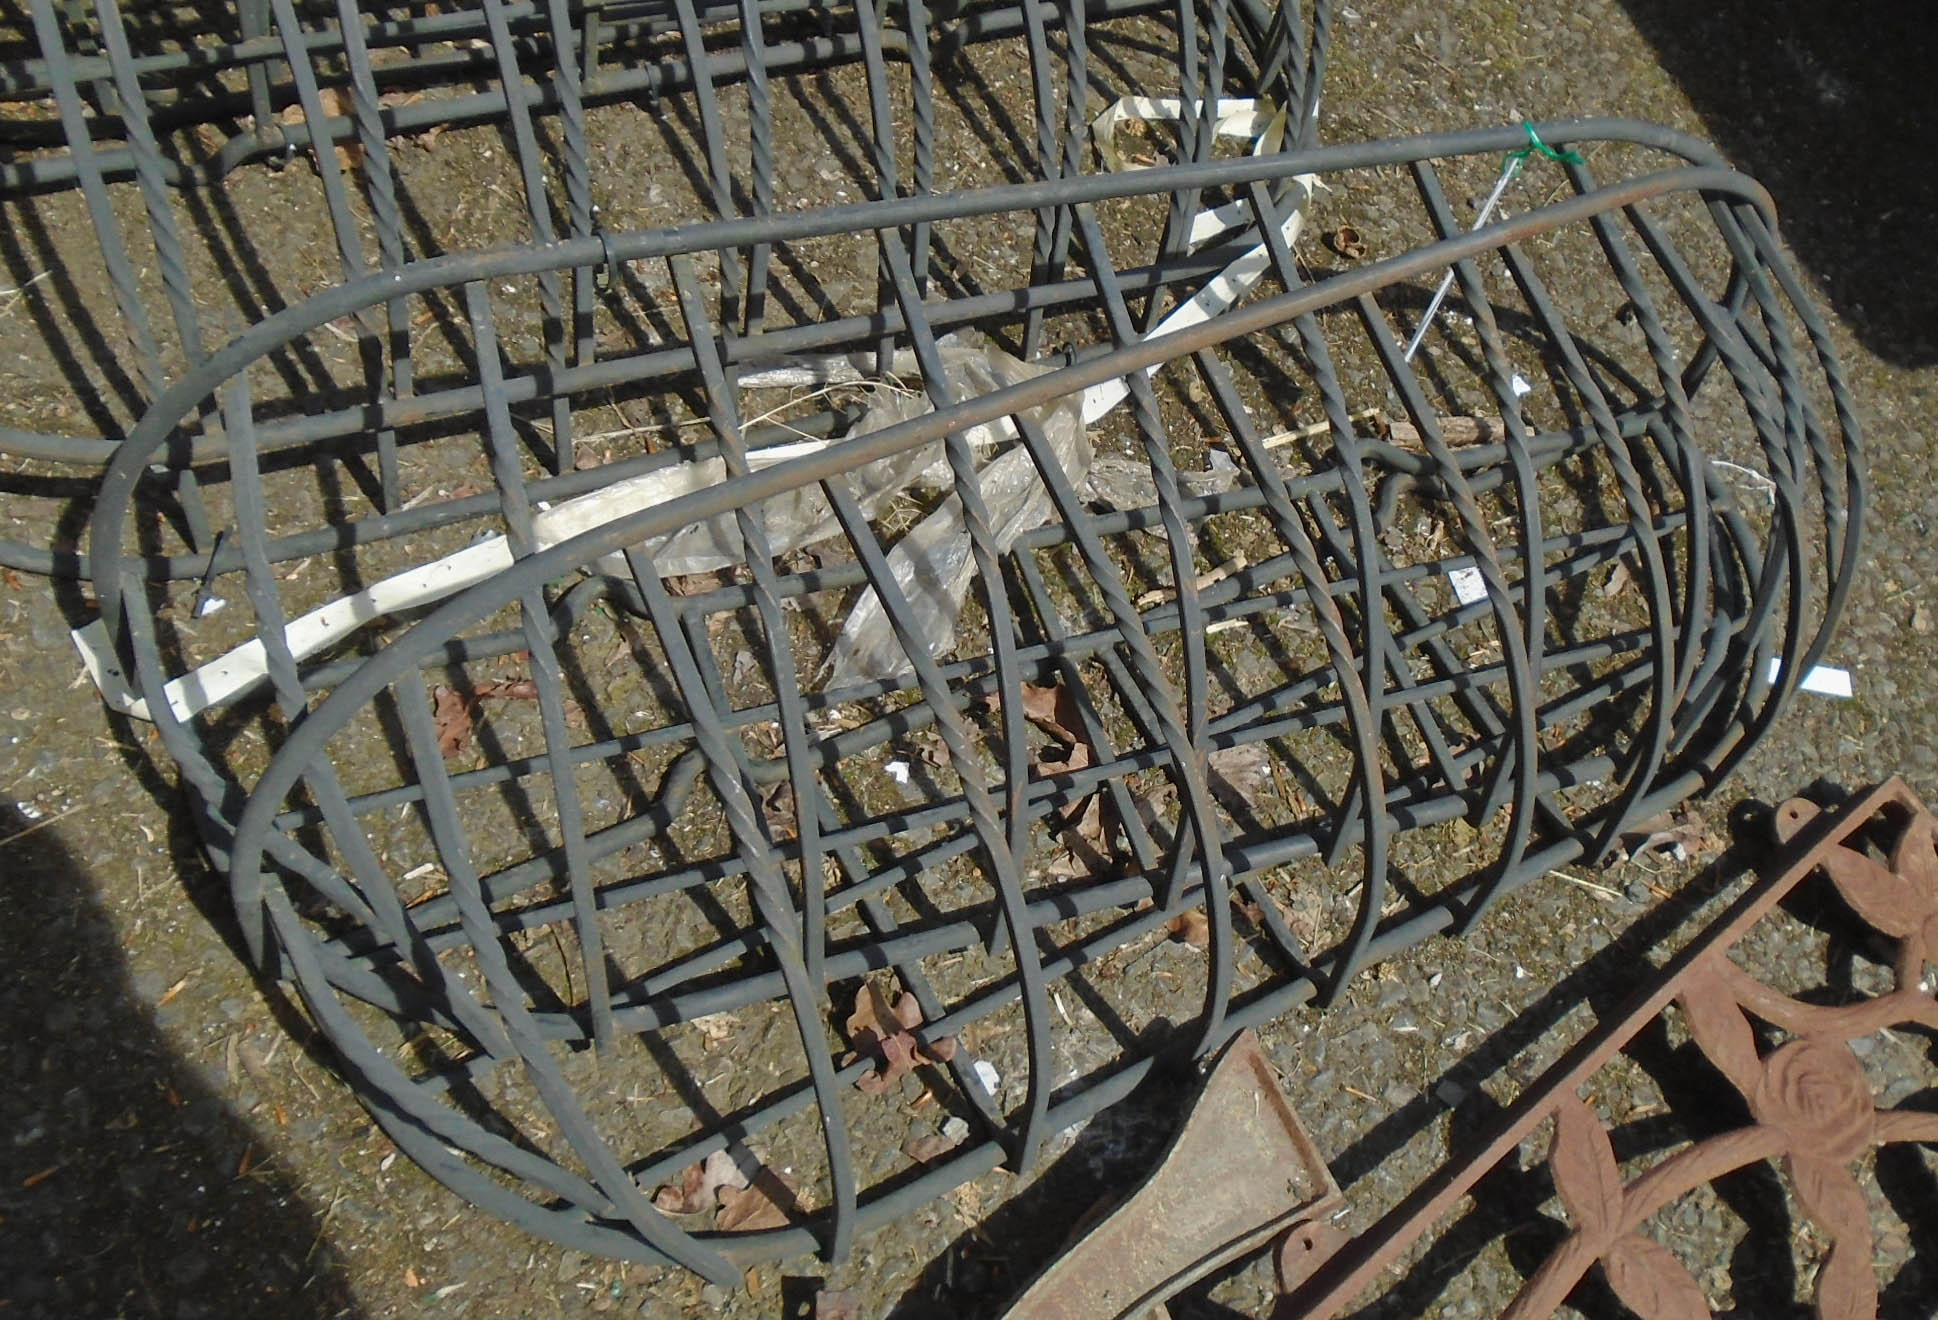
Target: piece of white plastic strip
[[1820, 679], [1236, 117], [235, 671]]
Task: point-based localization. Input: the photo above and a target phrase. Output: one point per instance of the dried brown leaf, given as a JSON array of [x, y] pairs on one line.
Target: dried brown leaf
[[716, 1027], [451, 716], [1259, 917], [885, 1029], [510, 689], [700, 1185], [1619, 580], [693, 584], [935, 752], [1457, 432], [455, 712], [1040, 708], [336, 104], [1346, 241], [777, 806], [1076, 756], [767, 1203], [1088, 841], [1052, 709], [1242, 775], [924, 1149], [967, 1200], [1192, 926], [1685, 838], [1092, 823]]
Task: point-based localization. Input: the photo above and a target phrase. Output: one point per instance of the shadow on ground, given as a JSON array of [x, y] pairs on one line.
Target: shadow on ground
[[987, 1266], [1833, 108], [127, 1188]]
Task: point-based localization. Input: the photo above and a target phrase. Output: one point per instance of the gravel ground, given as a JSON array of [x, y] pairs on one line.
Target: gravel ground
[[170, 1146]]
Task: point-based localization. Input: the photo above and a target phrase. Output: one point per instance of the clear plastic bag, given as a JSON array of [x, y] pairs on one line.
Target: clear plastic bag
[[1117, 482], [933, 563], [802, 516]]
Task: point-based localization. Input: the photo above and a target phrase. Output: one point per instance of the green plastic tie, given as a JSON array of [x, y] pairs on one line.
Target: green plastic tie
[[1510, 168], [1535, 144]]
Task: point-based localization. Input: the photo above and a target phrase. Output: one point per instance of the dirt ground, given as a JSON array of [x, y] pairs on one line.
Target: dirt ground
[[174, 1144]]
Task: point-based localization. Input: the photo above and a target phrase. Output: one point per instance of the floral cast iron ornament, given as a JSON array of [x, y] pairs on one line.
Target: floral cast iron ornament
[[1814, 1112]]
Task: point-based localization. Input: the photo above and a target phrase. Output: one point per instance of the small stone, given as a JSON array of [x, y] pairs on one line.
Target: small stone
[[187, 1268], [1899, 1091], [570, 1263], [830, 1304], [1921, 621], [1399, 1095], [955, 1127], [44, 626], [1450, 1093], [358, 1211], [714, 1295], [1363, 1039]]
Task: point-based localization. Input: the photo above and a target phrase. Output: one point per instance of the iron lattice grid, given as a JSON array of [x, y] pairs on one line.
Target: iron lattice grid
[[441, 920], [175, 103]]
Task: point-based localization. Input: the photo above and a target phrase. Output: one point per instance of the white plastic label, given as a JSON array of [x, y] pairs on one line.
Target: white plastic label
[[1469, 586], [1820, 679]]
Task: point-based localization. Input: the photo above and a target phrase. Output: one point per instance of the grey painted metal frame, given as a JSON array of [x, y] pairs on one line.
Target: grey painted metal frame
[[156, 101], [1547, 723]]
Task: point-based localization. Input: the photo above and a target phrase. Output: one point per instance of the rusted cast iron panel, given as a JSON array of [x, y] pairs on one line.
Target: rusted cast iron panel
[[1242, 1169], [1813, 1113]]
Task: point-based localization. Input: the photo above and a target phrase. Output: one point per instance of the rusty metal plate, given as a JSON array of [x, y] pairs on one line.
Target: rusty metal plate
[[1241, 1171], [1812, 1111]]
